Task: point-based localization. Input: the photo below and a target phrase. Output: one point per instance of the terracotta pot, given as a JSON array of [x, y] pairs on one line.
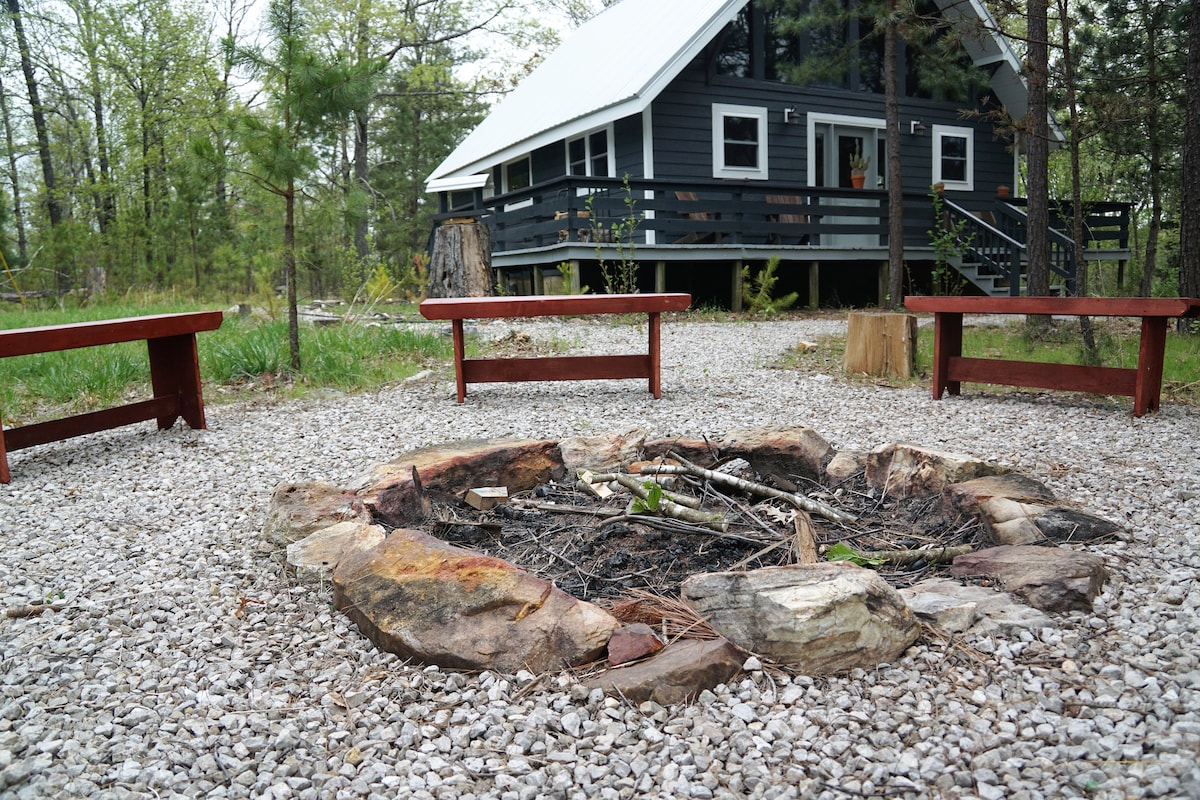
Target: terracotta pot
[[1002, 192], [857, 179]]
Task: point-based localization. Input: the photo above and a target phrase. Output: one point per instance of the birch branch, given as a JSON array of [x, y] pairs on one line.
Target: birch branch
[[671, 509], [682, 499], [799, 501], [933, 555]]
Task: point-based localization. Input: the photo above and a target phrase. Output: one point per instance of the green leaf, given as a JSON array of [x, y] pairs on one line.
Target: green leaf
[[653, 494], [843, 552]]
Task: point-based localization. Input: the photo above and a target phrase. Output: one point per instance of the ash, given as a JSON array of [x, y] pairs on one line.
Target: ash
[[595, 549]]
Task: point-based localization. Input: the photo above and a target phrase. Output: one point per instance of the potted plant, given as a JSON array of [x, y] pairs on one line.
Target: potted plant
[[1002, 192], [859, 164]]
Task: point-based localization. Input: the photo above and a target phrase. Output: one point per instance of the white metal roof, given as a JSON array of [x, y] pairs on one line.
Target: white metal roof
[[613, 66]]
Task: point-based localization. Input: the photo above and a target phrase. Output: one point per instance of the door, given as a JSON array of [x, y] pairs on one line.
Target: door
[[834, 142]]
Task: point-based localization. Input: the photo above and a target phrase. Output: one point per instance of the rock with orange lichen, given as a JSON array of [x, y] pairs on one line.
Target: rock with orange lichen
[[421, 598]]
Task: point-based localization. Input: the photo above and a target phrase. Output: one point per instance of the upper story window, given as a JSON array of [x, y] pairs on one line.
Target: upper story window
[[954, 157], [739, 141], [590, 155], [517, 175]]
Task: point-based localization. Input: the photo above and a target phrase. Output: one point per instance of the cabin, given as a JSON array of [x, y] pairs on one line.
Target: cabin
[[688, 139]]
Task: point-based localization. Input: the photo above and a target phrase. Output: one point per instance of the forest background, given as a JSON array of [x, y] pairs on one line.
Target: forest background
[[200, 147]]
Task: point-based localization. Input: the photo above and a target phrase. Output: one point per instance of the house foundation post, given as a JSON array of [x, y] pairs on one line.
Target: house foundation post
[[576, 281], [736, 288], [814, 285], [539, 280], [660, 277], [883, 284]]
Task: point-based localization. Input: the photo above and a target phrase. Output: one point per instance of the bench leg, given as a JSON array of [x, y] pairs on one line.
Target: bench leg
[[1147, 390], [947, 344], [460, 353], [655, 354], [4, 476], [175, 371]]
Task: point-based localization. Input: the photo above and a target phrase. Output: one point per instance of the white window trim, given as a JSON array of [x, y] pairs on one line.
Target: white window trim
[[587, 150], [938, 133], [720, 170]]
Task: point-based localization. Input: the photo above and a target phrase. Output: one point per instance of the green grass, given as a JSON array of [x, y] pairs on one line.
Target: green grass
[[1117, 343], [247, 356], [243, 356]]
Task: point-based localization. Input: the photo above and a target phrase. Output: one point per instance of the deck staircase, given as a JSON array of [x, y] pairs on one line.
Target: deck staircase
[[993, 255]]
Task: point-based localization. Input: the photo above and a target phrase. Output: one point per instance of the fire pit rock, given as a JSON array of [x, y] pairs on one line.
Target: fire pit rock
[[819, 618], [421, 598]]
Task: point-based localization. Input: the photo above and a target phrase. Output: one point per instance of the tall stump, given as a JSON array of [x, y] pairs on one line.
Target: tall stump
[[461, 265], [881, 343]]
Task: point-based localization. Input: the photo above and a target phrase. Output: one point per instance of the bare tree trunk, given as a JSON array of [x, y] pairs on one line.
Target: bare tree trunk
[[53, 209], [14, 177], [895, 182], [1189, 233], [1153, 130], [1038, 155], [289, 267], [1081, 266]]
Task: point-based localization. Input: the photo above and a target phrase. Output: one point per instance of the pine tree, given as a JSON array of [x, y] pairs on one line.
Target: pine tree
[[305, 90]]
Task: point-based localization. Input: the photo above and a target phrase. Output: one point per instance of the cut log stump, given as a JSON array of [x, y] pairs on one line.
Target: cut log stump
[[462, 260], [881, 343]]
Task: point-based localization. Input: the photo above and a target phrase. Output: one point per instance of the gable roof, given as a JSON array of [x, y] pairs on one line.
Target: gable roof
[[612, 66], [617, 63]]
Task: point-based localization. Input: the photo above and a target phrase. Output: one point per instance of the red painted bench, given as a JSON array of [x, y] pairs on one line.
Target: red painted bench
[[1143, 383], [174, 374], [554, 368]]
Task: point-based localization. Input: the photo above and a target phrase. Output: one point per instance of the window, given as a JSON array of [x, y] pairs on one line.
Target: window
[[589, 155], [517, 175], [739, 142], [954, 157]]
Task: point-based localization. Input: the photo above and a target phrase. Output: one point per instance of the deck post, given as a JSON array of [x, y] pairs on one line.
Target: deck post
[[539, 280], [736, 288], [883, 285], [660, 277], [814, 285]]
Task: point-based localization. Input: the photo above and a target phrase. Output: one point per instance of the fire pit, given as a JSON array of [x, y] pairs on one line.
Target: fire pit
[[547, 548]]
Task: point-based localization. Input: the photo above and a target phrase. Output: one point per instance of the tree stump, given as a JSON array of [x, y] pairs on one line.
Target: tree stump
[[461, 265], [881, 343]]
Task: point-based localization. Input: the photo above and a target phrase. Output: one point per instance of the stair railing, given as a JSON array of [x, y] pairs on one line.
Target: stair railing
[[1015, 222], [996, 252]]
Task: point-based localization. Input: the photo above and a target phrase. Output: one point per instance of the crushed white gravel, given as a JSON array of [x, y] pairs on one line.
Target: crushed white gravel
[[185, 662]]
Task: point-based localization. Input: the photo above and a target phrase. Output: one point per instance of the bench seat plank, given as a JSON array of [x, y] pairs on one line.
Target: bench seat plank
[[51, 338], [443, 308], [1169, 307]]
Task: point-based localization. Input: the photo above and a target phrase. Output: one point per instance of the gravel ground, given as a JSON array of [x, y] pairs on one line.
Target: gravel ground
[[186, 662]]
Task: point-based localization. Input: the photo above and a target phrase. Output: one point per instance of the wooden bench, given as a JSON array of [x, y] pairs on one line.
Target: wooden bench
[[554, 368], [1143, 384], [174, 374]]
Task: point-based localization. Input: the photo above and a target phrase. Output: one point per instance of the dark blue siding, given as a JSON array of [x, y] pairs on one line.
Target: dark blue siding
[[683, 129]]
